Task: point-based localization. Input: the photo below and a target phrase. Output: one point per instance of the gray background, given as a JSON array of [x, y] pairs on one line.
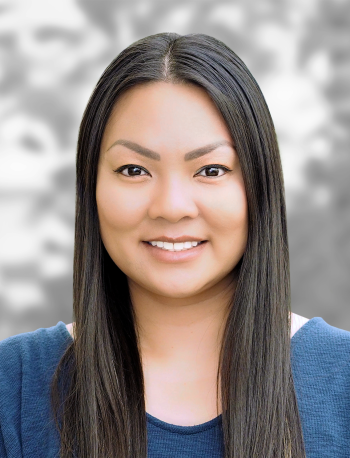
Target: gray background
[[51, 56]]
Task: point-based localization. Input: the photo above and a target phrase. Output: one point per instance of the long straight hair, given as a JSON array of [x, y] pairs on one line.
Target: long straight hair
[[97, 391]]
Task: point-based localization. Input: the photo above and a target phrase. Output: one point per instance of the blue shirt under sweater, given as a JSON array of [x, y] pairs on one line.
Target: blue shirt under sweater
[[320, 356]]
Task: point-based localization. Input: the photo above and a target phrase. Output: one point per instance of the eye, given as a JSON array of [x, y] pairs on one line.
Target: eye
[[212, 169], [130, 167], [136, 170]]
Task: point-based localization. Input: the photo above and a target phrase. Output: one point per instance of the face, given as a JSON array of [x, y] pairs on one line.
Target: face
[[171, 193]]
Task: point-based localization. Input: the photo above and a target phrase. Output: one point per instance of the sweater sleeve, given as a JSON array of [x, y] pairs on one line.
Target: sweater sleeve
[[2, 446], [321, 371], [27, 363], [10, 396]]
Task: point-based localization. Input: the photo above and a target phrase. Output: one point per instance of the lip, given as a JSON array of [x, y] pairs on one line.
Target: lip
[[175, 256], [181, 238]]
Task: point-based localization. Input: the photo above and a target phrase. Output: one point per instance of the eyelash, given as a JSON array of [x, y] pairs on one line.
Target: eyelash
[[216, 166]]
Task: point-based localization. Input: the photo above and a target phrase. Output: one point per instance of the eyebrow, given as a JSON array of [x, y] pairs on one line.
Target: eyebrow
[[194, 154]]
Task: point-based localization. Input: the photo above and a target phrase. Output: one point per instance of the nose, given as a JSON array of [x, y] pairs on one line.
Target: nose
[[173, 201]]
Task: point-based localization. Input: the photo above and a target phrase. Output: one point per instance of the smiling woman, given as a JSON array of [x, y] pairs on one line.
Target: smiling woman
[[183, 338], [177, 146]]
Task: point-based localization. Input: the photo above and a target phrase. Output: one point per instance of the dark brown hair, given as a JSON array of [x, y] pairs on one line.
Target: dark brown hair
[[98, 387]]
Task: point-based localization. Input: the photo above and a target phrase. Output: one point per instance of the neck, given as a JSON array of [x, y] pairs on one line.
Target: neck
[[181, 331]]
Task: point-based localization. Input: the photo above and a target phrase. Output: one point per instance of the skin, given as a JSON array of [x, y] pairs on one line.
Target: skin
[[180, 307]]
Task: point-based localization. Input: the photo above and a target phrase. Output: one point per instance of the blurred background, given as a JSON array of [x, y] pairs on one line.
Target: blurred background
[[51, 56]]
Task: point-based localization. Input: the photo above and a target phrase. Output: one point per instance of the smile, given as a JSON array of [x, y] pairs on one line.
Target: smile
[[164, 254], [181, 246]]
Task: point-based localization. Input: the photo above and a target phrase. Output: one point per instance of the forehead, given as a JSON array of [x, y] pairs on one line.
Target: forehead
[[159, 94], [160, 110]]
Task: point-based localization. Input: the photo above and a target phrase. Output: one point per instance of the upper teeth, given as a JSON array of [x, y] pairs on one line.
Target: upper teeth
[[174, 246]]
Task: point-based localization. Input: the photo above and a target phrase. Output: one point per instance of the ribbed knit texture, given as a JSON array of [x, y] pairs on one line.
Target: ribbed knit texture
[[320, 356]]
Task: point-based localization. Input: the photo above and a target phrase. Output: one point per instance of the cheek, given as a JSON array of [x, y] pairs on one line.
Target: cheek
[[228, 216], [119, 212], [229, 211]]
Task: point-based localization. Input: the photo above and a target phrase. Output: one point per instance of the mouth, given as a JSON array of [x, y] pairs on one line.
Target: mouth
[[199, 243], [183, 255]]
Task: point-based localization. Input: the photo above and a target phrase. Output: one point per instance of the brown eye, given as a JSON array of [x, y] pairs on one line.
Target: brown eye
[[213, 170], [133, 170]]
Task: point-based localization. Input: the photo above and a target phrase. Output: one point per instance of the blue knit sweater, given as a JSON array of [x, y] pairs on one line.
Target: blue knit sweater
[[320, 356]]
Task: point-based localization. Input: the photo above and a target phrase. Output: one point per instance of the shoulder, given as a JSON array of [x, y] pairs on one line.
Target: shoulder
[[321, 374], [10, 394], [322, 352], [27, 352], [11, 362], [27, 364], [31, 357]]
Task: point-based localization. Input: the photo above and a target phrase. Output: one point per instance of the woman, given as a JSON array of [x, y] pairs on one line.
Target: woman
[[181, 341]]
